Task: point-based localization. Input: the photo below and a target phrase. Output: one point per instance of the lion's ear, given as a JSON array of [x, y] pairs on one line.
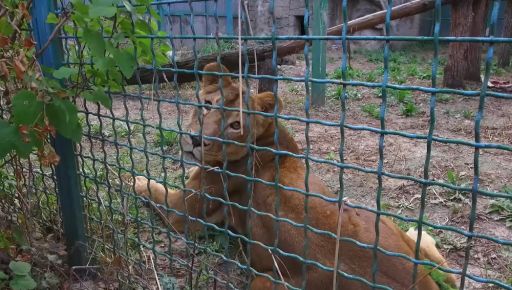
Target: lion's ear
[[266, 102], [209, 80]]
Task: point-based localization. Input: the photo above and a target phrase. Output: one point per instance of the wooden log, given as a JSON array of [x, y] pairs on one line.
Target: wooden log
[[230, 58]]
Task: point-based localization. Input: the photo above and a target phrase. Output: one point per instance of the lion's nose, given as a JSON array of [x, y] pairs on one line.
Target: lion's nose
[[196, 141]]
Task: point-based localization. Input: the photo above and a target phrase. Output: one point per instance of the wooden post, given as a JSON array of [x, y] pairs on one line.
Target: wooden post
[[319, 50]]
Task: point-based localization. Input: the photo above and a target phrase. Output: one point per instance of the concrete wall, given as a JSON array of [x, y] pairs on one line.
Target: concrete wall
[[288, 19]]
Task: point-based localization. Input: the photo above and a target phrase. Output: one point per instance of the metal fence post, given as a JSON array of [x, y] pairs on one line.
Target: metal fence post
[[68, 183], [319, 50], [229, 17]]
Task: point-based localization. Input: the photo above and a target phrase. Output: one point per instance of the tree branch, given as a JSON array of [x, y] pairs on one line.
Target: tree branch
[[54, 34]]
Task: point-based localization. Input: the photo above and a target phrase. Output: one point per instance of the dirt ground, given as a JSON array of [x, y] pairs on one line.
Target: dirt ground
[[403, 157]]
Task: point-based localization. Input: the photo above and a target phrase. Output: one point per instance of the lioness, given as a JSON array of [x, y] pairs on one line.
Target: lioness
[[256, 222]]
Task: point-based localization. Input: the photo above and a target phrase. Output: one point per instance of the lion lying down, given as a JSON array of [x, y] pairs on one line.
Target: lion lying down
[[356, 224]]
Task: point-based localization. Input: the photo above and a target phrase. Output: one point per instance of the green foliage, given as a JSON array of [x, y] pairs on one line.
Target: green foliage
[[167, 138], [403, 225], [331, 156], [409, 109], [373, 110], [444, 98], [439, 277], [468, 115], [211, 47], [352, 74], [110, 37], [337, 92], [453, 178], [373, 76], [20, 278], [293, 90], [400, 96], [503, 207], [373, 56]]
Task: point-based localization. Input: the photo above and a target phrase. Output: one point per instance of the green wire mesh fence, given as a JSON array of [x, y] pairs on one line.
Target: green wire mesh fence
[[390, 140]]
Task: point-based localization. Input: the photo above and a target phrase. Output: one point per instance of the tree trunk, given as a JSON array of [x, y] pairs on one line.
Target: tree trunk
[[265, 68], [504, 50], [468, 19], [478, 27], [455, 68]]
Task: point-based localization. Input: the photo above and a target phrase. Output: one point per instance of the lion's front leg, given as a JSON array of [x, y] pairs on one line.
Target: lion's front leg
[[185, 203]]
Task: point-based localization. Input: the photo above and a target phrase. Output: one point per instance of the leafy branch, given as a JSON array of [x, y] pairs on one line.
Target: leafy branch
[[35, 106]]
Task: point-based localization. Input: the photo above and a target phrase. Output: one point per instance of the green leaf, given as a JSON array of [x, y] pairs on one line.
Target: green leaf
[[105, 2], [23, 283], [99, 96], [128, 6], [64, 72], [126, 62], [95, 42], [27, 109], [80, 8], [23, 149], [154, 25], [4, 243], [102, 11], [20, 268], [155, 14], [52, 18], [11, 140], [3, 276], [118, 37], [9, 136], [62, 114], [161, 59], [5, 27], [19, 237], [142, 27], [104, 63]]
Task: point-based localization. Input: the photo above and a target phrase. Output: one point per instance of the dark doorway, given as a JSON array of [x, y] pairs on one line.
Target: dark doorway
[[299, 25]]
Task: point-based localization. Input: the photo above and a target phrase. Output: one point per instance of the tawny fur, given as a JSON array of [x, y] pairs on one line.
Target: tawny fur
[[356, 224]]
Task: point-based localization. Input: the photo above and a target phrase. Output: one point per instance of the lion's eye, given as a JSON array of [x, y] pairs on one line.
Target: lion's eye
[[235, 125]]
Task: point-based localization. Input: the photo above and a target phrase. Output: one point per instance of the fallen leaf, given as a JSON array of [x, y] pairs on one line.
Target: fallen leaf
[[4, 71], [53, 158], [4, 41], [19, 69], [28, 43], [24, 10]]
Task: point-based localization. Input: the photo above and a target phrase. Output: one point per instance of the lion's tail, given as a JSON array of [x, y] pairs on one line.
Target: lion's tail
[[430, 252]]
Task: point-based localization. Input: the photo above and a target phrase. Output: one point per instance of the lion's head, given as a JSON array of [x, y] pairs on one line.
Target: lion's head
[[197, 147]]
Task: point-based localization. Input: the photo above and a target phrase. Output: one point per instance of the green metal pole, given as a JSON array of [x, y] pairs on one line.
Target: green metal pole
[[319, 50], [229, 17], [68, 182]]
